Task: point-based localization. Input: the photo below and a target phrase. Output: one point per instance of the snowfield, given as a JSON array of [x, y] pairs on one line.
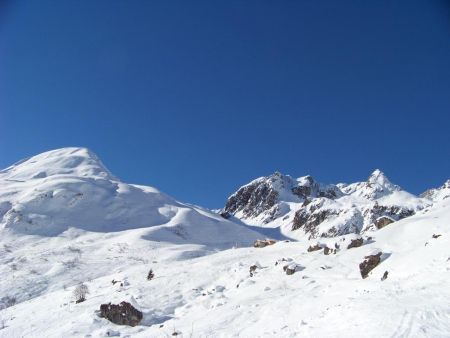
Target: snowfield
[[52, 239]]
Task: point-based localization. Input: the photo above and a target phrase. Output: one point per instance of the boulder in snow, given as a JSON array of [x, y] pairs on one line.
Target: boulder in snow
[[261, 243], [121, 314], [382, 221], [355, 243], [292, 268], [316, 247], [369, 263]]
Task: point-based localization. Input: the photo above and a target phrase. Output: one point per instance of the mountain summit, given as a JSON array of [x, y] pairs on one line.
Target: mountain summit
[[304, 207], [70, 188]]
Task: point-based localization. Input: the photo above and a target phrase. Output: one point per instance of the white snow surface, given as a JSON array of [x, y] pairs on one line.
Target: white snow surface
[[55, 239]]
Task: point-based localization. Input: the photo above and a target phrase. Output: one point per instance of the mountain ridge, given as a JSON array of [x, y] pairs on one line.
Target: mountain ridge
[[325, 210]]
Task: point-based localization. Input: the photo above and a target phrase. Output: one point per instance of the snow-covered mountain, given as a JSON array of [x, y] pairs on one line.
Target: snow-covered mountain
[[438, 194], [67, 196], [71, 189], [304, 207], [65, 220]]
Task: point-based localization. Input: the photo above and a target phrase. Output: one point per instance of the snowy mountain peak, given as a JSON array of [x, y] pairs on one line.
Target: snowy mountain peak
[[69, 188], [379, 179], [321, 210], [71, 161], [376, 186], [266, 198], [438, 194]]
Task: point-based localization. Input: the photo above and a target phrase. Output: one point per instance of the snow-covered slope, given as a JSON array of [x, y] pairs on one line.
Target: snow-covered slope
[[65, 220], [215, 295], [438, 194], [304, 207], [52, 200], [70, 188]]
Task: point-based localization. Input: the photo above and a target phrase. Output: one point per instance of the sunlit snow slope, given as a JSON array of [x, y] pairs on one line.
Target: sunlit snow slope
[[67, 220]]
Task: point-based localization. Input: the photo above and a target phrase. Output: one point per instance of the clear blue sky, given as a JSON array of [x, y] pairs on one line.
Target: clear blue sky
[[199, 97]]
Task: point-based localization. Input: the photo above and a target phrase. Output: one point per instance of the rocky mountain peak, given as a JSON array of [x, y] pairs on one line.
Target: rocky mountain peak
[[438, 194], [320, 210]]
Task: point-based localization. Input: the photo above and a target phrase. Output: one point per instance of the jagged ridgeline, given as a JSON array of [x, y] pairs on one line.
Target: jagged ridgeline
[[303, 207]]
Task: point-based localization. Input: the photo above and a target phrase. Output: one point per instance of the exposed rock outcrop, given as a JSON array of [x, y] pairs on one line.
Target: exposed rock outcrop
[[312, 248], [369, 263], [261, 198], [354, 243], [319, 210], [121, 314], [383, 221], [292, 268], [261, 243]]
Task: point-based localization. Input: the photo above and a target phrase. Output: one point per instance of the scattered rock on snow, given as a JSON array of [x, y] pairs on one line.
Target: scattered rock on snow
[[369, 263], [355, 243], [436, 236], [292, 268], [316, 247], [253, 268], [385, 275], [121, 314], [261, 243]]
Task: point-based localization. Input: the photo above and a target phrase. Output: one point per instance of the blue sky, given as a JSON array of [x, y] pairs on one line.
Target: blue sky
[[197, 98]]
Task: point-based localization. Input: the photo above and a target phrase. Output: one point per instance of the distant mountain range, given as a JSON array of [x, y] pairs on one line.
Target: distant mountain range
[[304, 207]]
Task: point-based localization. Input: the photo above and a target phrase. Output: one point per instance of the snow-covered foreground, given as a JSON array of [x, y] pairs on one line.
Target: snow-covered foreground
[[214, 295], [65, 220]]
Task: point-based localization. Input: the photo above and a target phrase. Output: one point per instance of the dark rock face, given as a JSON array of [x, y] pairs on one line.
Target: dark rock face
[[308, 220], [355, 243], [262, 195], [383, 221], [252, 199], [225, 214], [369, 263], [385, 213], [311, 188], [121, 314], [316, 247], [318, 208]]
